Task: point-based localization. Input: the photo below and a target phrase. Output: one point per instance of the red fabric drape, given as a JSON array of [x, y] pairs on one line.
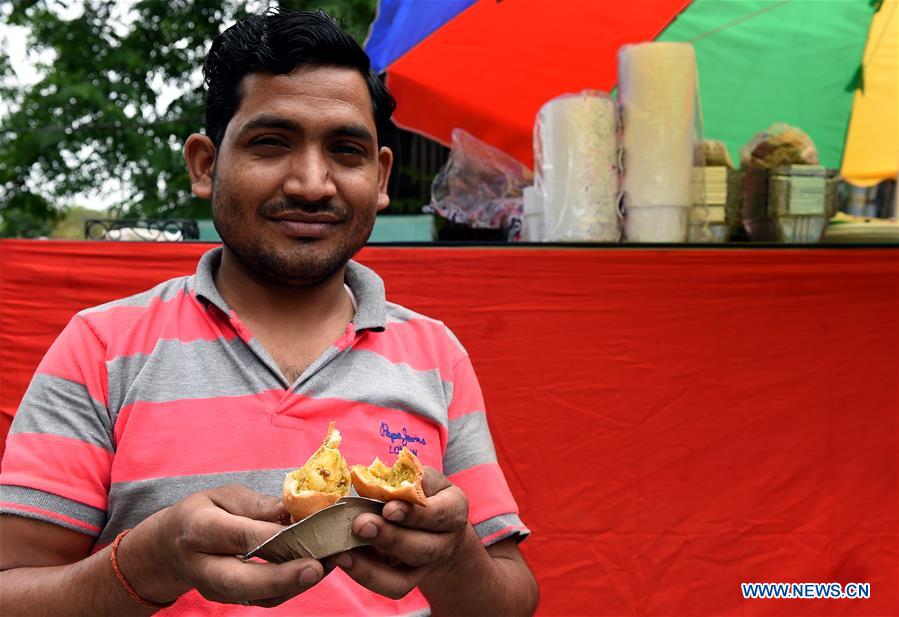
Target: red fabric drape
[[672, 422]]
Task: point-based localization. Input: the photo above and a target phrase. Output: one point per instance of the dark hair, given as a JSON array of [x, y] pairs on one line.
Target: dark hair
[[278, 42]]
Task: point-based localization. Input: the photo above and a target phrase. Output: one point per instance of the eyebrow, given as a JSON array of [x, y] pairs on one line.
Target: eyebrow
[[358, 131], [270, 122]]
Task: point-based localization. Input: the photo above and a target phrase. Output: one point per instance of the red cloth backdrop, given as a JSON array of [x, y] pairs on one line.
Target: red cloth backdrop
[[672, 422]]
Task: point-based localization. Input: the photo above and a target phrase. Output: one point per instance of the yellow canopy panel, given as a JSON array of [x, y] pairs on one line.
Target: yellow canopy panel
[[872, 144]]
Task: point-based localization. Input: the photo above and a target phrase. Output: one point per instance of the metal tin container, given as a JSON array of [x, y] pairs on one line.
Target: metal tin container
[[801, 199]]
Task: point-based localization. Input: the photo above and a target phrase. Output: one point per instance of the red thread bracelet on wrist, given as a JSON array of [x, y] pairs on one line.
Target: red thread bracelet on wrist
[[118, 574]]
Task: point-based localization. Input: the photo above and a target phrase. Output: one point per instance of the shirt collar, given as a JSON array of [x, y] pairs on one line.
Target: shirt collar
[[204, 280], [371, 301], [366, 285]]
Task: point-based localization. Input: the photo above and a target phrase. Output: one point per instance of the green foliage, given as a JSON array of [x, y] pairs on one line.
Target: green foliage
[[94, 117], [28, 215]]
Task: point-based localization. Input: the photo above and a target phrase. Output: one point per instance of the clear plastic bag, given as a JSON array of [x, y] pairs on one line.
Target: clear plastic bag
[[781, 144], [777, 146], [480, 186]]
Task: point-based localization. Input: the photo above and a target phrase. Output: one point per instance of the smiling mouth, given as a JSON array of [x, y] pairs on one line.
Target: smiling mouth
[[305, 225], [299, 216]]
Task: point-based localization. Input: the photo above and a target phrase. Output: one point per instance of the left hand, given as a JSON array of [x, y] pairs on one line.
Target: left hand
[[409, 542]]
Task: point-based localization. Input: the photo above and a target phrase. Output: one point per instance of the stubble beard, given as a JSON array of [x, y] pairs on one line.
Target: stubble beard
[[305, 263]]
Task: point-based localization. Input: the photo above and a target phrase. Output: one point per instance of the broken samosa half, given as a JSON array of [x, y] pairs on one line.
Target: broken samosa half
[[319, 483], [402, 481]]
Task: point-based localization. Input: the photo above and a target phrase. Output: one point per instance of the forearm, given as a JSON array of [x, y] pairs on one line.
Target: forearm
[[87, 587], [478, 583], [190, 545], [90, 586]]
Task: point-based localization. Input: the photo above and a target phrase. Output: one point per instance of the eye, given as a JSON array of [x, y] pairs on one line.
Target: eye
[[348, 149], [269, 140]]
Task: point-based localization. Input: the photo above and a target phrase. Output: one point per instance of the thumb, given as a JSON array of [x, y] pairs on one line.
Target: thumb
[[242, 501], [434, 481]]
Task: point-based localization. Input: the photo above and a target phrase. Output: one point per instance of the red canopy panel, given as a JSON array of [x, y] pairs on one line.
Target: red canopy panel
[[671, 422], [490, 69]]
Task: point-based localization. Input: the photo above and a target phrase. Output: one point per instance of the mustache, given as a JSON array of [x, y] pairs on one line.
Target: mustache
[[301, 205]]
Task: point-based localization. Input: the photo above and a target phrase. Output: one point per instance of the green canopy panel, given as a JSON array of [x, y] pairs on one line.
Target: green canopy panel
[[762, 62]]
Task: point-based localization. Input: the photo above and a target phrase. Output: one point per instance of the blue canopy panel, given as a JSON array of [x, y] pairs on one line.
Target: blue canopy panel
[[400, 25]]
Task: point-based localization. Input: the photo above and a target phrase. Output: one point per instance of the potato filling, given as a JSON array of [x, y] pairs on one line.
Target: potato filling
[[394, 476], [323, 473]]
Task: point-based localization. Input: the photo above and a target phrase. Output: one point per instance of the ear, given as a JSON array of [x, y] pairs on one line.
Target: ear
[[385, 163], [199, 154]]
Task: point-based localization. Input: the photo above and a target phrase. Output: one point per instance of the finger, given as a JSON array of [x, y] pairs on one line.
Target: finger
[[242, 501], [369, 570], [215, 531], [446, 511], [410, 546], [328, 565], [228, 579]]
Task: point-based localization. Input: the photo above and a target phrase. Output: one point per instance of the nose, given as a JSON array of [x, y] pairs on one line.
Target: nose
[[309, 176]]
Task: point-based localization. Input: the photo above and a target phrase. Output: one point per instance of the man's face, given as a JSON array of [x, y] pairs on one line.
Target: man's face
[[299, 177]]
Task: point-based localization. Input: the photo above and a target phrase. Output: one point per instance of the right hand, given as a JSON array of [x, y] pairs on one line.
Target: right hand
[[197, 544]]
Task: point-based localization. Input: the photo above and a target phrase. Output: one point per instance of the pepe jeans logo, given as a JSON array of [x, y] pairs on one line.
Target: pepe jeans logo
[[401, 439]]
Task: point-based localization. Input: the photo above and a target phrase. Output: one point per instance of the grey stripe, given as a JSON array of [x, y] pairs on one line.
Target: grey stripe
[[132, 502], [425, 612], [368, 288], [163, 292], [177, 370], [329, 355], [498, 523], [400, 314], [54, 503], [469, 443], [56, 406], [369, 377]]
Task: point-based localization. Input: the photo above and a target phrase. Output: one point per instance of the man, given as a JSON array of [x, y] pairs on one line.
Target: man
[[176, 412]]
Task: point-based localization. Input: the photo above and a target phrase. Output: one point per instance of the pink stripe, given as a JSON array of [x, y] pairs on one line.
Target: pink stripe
[[349, 334], [487, 491], [239, 327], [60, 465], [502, 532], [270, 430], [467, 395], [422, 344], [180, 318], [337, 594], [78, 356], [55, 515]]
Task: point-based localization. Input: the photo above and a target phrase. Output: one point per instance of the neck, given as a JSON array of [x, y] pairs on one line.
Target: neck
[[259, 300]]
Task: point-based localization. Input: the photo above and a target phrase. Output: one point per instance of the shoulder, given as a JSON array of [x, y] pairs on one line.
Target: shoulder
[[112, 319], [405, 323]]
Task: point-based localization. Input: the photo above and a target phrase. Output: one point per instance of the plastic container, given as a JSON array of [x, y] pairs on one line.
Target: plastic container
[[656, 224], [533, 229], [708, 233]]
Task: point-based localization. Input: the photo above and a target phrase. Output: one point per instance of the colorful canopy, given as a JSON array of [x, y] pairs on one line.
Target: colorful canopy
[[488, 66], [491, 65], [872, 148]]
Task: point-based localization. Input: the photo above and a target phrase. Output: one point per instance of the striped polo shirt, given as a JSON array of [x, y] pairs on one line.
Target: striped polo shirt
[[145, 400]]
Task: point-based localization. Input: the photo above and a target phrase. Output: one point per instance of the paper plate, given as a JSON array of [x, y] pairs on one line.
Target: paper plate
[[325, 533]]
